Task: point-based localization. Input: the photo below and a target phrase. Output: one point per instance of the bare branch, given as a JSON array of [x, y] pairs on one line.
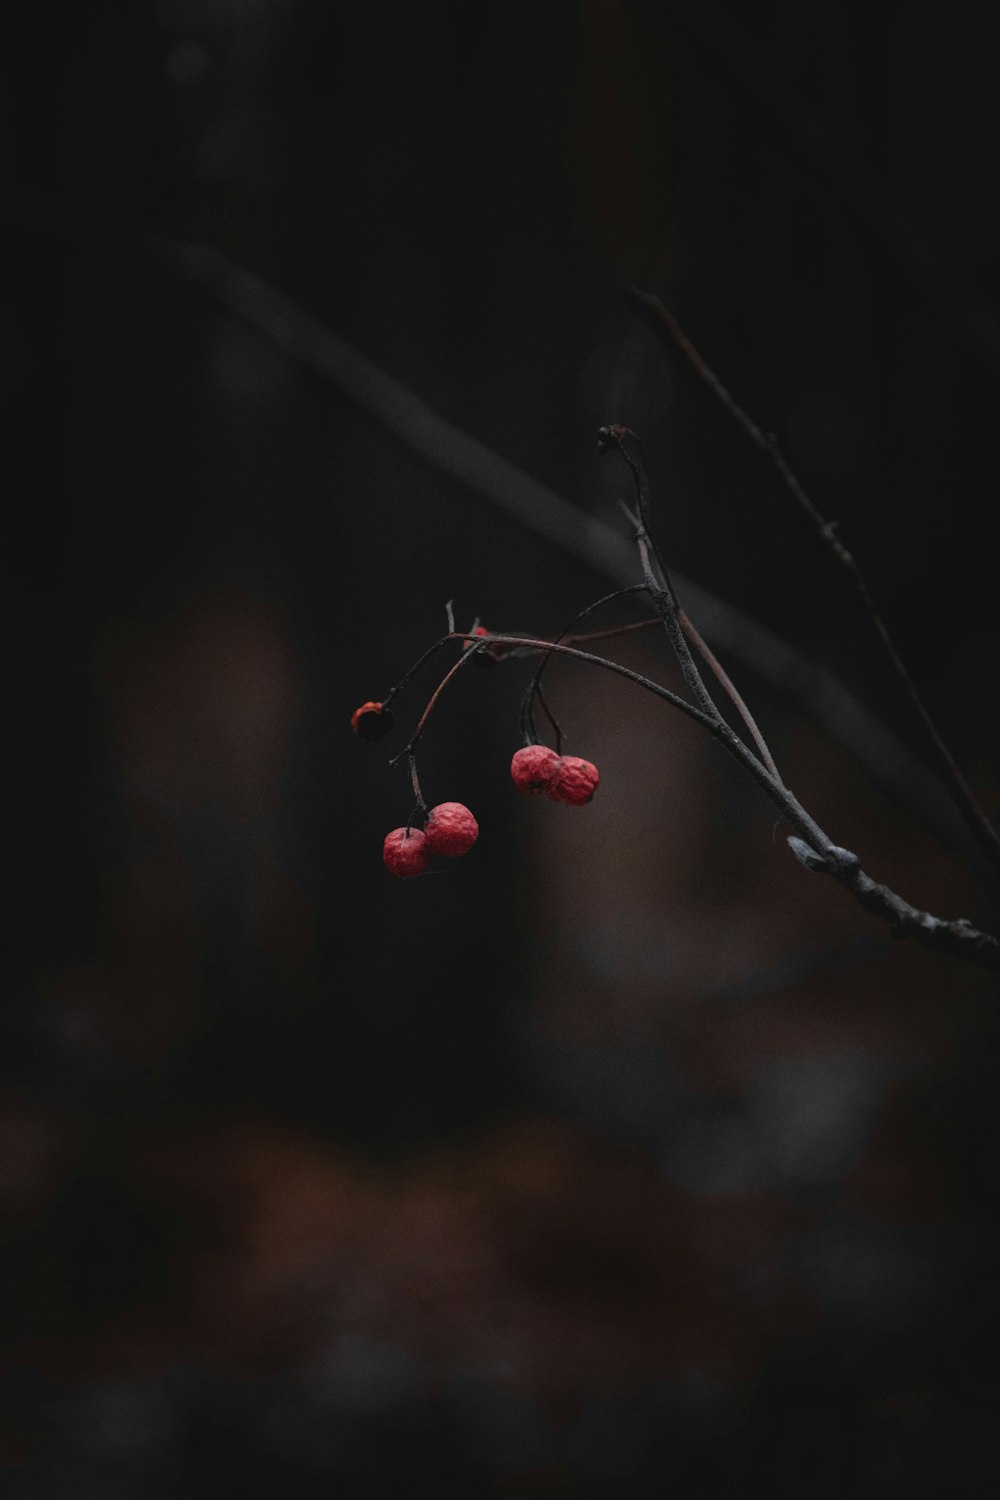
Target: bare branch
[[810, 844], [962, 793], [679, 627], [730, 689], [841, 714]]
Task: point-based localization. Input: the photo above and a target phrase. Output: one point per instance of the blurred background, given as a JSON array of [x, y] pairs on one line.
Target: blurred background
[[623, 1153]]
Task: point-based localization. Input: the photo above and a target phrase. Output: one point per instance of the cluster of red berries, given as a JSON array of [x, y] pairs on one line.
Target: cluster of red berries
[[450, 828], [564, 778]]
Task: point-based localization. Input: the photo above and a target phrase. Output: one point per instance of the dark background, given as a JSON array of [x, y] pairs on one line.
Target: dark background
[[623, 1155]]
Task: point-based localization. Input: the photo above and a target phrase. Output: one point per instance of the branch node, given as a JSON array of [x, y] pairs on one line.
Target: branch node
[[807, 856], [844, 859]]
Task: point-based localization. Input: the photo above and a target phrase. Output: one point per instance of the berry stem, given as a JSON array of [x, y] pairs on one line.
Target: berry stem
[[534, 643], [556, 726], [421, 806], [534, 686], [466, 657], [408, 676]]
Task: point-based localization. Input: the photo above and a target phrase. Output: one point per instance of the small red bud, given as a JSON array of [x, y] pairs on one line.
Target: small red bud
[[450, 829], [575, 782], [534, 768], [487, 658], [372, 721], [406, 852]]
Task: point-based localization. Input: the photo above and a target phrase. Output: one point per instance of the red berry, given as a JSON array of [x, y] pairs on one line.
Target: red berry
[[406, 852], [575, 782], [535, 768], [450, 829], [371, 721]]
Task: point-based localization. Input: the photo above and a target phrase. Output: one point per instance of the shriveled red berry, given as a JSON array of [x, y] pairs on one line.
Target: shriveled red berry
[[575, 781], [450, 829], [535, 768], [371, 721], [406, 852]]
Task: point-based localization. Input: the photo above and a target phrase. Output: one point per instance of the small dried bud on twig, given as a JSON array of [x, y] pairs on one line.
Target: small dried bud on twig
[[372, 721]]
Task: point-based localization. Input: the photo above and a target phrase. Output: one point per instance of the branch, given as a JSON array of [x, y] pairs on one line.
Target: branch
[[661, 590], [811, 846], [731, 691], [534, 688], [541, 510], [958, 938], [960, 790]]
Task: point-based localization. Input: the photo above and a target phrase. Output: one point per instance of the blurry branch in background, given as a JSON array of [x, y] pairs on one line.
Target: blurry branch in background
[[973, 814], [540, 509]]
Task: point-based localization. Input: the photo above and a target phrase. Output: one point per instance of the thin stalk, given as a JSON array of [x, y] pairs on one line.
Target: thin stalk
[[534, 686], [463, 660], [660, 589], [408, 677], [729, 687]]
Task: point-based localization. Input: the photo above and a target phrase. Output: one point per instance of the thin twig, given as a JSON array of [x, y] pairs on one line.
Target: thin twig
[[415, 782], [729, 687], [661, 591], [556, 726], [811, 846], [457, 666], [409, 675], [534, 688]]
